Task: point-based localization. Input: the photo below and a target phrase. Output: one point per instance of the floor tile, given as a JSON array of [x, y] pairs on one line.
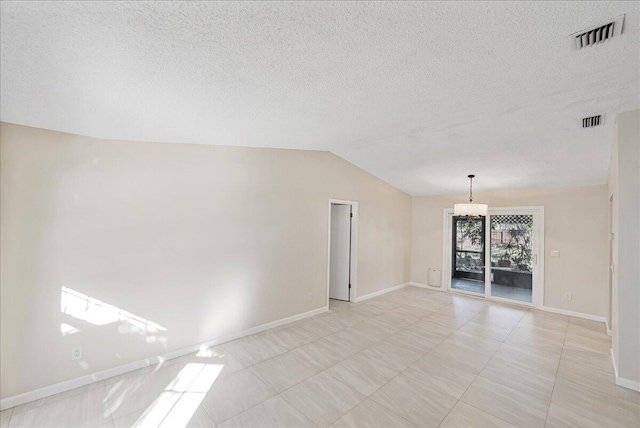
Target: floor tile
[[533, 340], [506, 403], [529, 359], [190, 419], [292, 338], [135, 373], [488, 319], [284, 371], [374, 329], [560, 417], [419, 403], [492, 332], [426, 304], [323, 399], [476, 343], [524, 379], [596, 380], [133, 393], [350, 318], [537, 318], [465, 416], [410, 313], [362, 373], [506, 311], [235, 393], [339, 304], [393, 320], [57, 397], [413, 341], [370, 414], [578, 337], [387, 353], [448, 322], [274, 412], [594, 360], [5, 416], [323, 353], [460, 357], [608, 410], [352, 339], [253, 349], [88, 409], [597, 326], [437, 371], [368, 310], [383, 304], [217, 355]]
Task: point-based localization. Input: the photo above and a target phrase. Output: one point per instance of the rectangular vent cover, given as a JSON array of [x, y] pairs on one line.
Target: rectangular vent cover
[[590, 122], [599, 33]]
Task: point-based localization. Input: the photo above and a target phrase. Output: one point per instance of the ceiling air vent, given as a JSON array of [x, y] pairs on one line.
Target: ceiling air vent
[[598, 34], [590, 122]]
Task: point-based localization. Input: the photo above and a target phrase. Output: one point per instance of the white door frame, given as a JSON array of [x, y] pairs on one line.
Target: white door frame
[[354, 248], [538, 250]]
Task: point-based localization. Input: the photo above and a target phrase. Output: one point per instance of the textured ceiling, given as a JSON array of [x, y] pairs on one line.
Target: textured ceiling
[[418, 94]]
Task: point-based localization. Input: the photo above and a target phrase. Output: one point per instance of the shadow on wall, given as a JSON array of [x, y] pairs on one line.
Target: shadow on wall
[[98, 313]]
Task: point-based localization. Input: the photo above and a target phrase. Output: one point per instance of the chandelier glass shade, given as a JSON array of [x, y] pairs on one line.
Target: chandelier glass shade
[[470, 209]]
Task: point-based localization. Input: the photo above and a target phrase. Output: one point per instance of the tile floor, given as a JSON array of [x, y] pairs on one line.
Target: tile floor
[[410, 358]]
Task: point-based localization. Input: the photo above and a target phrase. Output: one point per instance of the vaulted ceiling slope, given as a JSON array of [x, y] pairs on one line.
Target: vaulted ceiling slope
[[418, 94]]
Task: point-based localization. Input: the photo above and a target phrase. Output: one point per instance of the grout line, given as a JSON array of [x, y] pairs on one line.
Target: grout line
[[556, 376], [426, 353]]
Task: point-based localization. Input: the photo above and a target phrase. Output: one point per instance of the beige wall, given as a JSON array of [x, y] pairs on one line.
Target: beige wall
[[202, 240], [575, 224], [624, 186]]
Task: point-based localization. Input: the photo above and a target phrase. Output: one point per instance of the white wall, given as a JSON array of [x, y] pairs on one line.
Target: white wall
[[575, 224], [624, 186], [202, 240]]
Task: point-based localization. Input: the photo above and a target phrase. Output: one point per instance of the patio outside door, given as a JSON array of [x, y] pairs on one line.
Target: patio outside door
[[511, 256], [498, 257], [468, 267]]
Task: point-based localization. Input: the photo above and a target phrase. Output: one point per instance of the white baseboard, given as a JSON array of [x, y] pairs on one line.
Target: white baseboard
[[380, 292], [47, 391], [574, 314], [620, 381], [428, 287]]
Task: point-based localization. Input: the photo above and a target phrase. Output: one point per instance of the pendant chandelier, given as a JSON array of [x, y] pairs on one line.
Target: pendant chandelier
[[470, 209]]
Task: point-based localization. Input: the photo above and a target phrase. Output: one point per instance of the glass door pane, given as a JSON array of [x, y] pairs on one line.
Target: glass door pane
[[511, 250], [467, 269]]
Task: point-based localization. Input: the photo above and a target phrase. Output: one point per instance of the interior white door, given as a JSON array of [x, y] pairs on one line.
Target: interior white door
[[340, 252]]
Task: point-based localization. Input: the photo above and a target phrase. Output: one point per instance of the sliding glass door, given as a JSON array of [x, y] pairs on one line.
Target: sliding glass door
[[468, 256], [498, 257], [512, 260]]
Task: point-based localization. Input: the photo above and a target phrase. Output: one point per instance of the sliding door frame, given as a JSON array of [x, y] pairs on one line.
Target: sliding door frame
[[537, 296]]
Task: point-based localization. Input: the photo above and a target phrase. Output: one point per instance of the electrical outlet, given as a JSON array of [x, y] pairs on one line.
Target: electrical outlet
[[555, 253], [76, 353], [567, 296], [309, 297]]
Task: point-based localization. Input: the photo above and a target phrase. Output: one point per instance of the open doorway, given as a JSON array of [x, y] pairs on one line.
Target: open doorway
[[342, 253]]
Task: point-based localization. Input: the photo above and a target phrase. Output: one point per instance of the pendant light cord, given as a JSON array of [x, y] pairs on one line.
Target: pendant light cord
[[471, 189]]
